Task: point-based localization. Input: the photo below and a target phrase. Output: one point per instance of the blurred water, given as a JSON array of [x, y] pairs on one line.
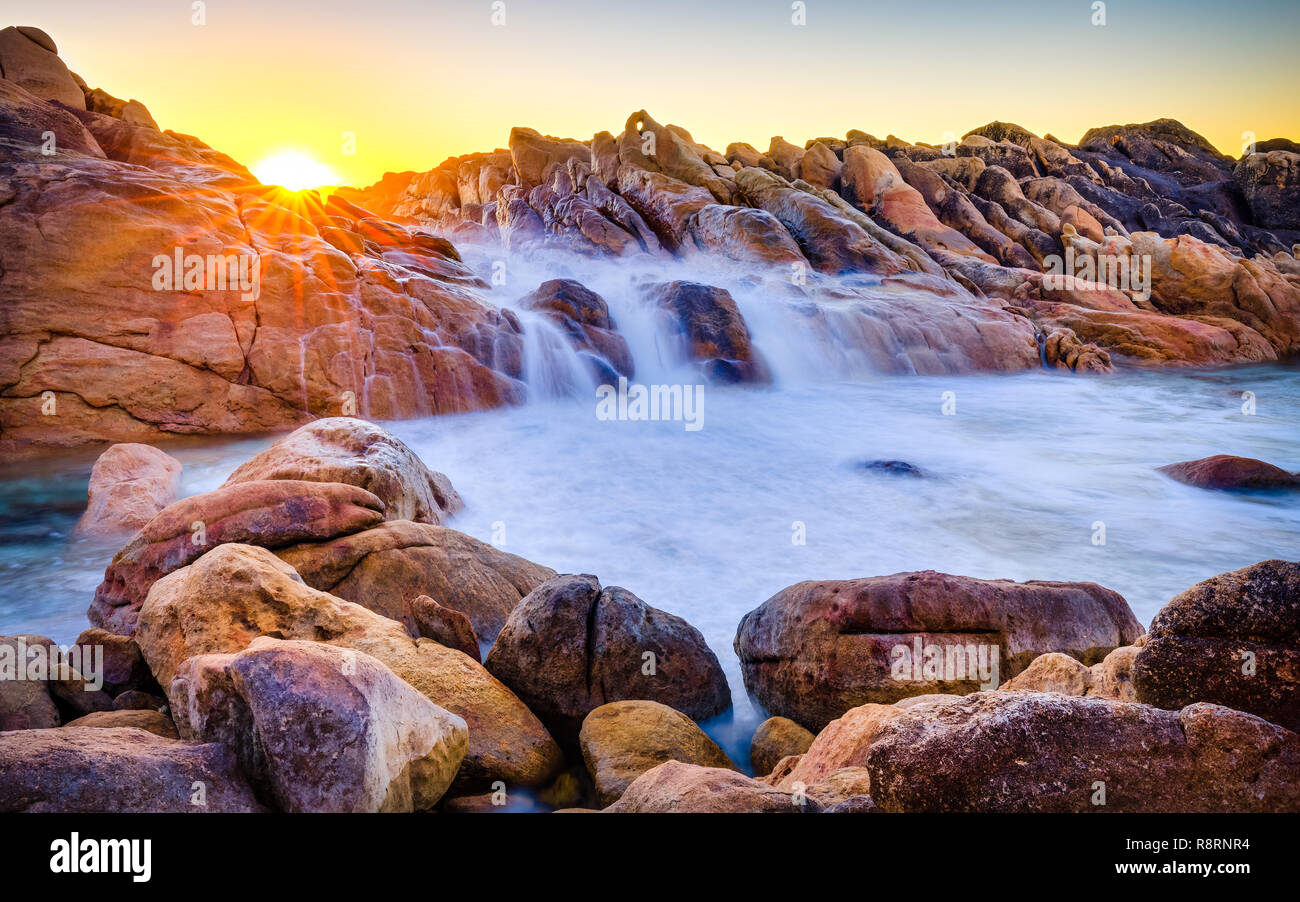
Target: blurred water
[[701, 523]]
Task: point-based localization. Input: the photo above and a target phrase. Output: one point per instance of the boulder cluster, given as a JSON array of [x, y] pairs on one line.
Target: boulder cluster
[[925, 259], [312, 636]]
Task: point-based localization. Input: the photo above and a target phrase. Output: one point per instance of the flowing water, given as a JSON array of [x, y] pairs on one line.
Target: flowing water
[[1019, 479]]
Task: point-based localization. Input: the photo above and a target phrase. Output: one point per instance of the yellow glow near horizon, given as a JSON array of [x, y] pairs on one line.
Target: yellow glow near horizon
[[294, 170]]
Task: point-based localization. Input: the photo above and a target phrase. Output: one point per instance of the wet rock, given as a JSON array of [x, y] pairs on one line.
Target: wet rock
[[1234, 640], [151, 721], [677, 788], [387, 567], [777, 738], [622, 740], [354, 452], [584, 317], [236, 593], [816, 649], [271, 513], [1223, 471], [1024, 751], [571, 646], [320, 728], [891, 468], [122, 770], [129, 485], [713, 329]]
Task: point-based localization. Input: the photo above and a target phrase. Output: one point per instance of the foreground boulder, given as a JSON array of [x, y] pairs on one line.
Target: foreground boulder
[[354, 452], [236, 593], [320, 728], [1234, 640], [622, 740], [270, 513], [123, 770], [677, 788], [1223, 471], [571, 646], [388, 567], [816, 649], [1023, 752], [777, 738], [129, 484]]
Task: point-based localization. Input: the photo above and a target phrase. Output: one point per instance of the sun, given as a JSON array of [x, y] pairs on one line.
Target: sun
[[294, 170]]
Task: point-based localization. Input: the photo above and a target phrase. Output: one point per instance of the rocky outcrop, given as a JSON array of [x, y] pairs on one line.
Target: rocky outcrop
[[236, 593], [354, 452], [816, 649], [1233, 640], [272, 513], [129, 484], [386, 568], [1043, 752], [620, 741], [1223, 471], [677, 788], [571, 646], [320, 728], [123, 770], [29, 57]]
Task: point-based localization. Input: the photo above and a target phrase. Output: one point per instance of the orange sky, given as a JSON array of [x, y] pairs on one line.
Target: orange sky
[[418, 82]]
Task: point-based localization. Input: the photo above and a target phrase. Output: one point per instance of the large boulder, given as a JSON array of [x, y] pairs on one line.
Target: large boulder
[[677, 788], [571, 646], [352, 451], [270, 513], [1234, 640], [1224, 471], [622, 740], [1025, 751], [321, 728], [129, 485], [29, 57], [816, 649], [236, 593], [386, 568], [122, 770]]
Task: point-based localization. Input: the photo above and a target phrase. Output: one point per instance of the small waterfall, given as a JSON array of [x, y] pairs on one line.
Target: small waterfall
[[553, 368]]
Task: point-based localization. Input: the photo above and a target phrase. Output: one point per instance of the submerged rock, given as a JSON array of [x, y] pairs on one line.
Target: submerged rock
[[1223, 471]]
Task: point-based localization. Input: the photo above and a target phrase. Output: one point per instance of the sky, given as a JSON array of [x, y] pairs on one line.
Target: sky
[[413, 82]]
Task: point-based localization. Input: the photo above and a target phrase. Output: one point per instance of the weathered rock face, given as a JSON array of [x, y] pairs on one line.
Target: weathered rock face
[[1271, 183], [620, 741], [571, 646], [121, 770], [271, 513], [387, 326], [584, 317], [129, 484], [320, 728], [677, 788], [816, 649], [236, 593], [1023, 751], [1233, 640], [1223, 471], [29, 57], [777, 738], [387, 567], [354, 452], [712, 328]]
